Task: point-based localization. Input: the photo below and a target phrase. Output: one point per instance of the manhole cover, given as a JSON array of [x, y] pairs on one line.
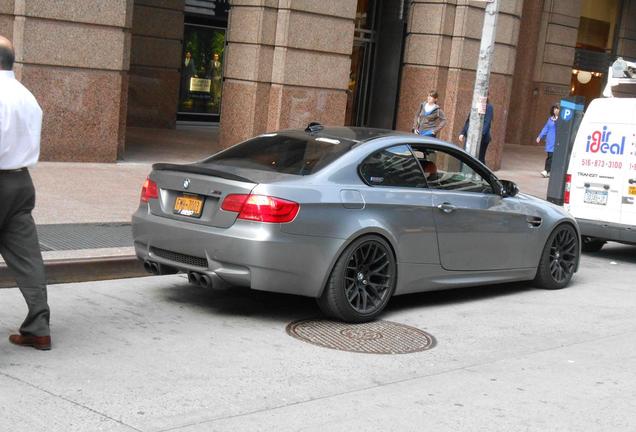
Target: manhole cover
[[378, 337]]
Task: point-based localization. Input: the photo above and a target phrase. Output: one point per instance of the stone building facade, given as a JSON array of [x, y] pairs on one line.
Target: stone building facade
[[98, 66]]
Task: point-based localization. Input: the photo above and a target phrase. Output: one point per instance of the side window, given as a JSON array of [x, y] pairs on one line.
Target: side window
[[393, 166], [449, 172]]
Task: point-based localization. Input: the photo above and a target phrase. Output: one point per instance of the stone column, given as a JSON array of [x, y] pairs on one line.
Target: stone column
[[523, 83], [551, 41], [442, 48], [157, 34], [427, 50], [287, 64], [6, 18], [74, 57]]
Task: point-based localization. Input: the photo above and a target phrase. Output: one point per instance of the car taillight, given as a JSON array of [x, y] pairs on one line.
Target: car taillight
[[261, 208], [568, 185], [149, 191]]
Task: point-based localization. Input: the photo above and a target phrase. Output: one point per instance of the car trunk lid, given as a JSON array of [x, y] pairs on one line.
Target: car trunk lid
[[193, 193]]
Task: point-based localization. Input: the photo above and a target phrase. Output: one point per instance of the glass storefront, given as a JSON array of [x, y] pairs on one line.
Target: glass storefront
[[201, 70], [361, 64], [201, 82]]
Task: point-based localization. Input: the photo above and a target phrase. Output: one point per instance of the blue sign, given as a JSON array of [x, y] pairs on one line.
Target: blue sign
[[568, 108], [566, 114]]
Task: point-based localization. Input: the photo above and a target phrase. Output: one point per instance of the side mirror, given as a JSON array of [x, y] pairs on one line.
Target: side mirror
[[509, 188]]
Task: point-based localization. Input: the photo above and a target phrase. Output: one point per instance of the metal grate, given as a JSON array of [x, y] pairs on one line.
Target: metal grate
[[378, 337], [61, 237], [178, 257]]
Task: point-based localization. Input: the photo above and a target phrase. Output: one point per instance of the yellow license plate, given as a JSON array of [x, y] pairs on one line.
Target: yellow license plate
[[188, 205], [632, 190]]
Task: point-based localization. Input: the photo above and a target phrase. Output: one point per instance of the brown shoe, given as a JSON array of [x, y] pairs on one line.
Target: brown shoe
[[37, 342]]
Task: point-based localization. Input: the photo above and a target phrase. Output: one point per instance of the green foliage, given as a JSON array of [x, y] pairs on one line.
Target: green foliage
[[218, 43]]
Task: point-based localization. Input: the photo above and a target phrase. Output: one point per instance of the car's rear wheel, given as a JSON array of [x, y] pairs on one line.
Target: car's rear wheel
[[591, 244], [559, 258], [362, 281]]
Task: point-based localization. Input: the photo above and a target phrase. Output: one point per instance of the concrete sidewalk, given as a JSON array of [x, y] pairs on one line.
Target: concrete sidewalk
[[82, 193]]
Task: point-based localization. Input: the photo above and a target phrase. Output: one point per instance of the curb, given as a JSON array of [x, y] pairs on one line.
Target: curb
[[83, 270]]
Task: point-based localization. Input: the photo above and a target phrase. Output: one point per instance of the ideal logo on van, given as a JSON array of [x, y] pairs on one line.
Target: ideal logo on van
[[599, 142]]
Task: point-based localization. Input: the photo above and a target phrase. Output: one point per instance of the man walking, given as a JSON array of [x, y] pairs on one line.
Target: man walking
[[20, 128], [485, 132]]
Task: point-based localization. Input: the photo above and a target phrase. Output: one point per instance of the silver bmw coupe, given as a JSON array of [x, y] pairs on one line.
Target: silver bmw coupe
[[351, 217]]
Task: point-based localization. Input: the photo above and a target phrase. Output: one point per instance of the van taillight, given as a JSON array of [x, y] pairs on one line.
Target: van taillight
[[261, 208], [568, 185], [149, 191]]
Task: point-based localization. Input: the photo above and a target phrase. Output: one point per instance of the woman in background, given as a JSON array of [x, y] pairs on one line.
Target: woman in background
[[549, 133], [430, 118]]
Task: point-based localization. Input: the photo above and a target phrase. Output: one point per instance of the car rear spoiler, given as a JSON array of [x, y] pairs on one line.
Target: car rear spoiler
[[198, 169]]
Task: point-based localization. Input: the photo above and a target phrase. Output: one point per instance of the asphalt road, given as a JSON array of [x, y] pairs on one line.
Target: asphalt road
[[155, 354]]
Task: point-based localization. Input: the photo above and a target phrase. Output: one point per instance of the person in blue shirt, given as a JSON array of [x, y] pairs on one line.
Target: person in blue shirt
[[549, 133], [485, 132]]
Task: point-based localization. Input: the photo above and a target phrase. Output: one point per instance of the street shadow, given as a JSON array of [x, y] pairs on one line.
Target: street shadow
[[616, 252], [456, 296], [240, 301], [244, 302]]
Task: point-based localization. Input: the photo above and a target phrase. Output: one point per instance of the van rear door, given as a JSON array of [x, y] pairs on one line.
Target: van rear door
[[599, 160], [628, 199]]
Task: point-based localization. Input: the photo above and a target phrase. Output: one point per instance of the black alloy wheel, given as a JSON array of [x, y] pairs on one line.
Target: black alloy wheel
[[560, 257], [563, 253], [362, 281], [367, 277]]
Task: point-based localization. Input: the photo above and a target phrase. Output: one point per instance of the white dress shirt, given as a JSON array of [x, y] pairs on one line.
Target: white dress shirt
[[20, 124]]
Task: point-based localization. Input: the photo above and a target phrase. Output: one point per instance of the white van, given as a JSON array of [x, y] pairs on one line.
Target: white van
[[600, 189]]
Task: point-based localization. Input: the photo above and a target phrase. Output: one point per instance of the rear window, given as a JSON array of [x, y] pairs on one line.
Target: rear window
[[299, 155]]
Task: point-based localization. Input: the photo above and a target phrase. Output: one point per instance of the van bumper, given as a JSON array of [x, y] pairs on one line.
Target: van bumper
[[608, 231]]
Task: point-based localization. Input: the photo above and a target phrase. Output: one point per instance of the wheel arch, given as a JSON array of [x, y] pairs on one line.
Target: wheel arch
[[575, 226], [558, 224], [377, 231]]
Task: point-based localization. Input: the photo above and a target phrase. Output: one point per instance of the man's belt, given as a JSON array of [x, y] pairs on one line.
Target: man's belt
[[12, 170]]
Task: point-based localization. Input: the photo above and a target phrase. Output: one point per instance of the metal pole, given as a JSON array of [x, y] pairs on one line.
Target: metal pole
[[480, 93]]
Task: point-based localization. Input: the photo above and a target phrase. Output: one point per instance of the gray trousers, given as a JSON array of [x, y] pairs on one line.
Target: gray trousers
[[20, 248]]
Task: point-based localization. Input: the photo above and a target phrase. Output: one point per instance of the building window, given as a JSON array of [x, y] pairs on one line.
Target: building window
[[201, 70], [201, 82]]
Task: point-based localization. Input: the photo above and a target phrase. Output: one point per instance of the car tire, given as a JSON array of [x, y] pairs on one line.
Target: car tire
[[559, 258], [361, 282], [591, 244]]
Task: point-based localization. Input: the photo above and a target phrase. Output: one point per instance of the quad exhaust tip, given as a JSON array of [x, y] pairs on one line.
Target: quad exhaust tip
[[151, 267], [194, 278], [159, 269], [200, 279]]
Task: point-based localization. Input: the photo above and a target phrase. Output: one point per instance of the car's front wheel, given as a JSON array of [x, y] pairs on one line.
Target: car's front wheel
[[362, 281], [559, 258]]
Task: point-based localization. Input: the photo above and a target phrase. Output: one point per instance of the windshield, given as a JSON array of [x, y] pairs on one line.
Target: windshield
[[299, 154]]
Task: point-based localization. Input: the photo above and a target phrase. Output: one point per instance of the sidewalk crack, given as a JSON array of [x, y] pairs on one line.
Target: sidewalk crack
[[72, 402]]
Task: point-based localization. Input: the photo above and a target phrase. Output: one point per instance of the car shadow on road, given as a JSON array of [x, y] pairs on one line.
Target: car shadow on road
[[244, 302], [616, 252], [238, 301], [457, 295]]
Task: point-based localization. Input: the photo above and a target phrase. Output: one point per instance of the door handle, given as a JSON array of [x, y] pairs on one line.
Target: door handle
[[534, 221], [446, 207]]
